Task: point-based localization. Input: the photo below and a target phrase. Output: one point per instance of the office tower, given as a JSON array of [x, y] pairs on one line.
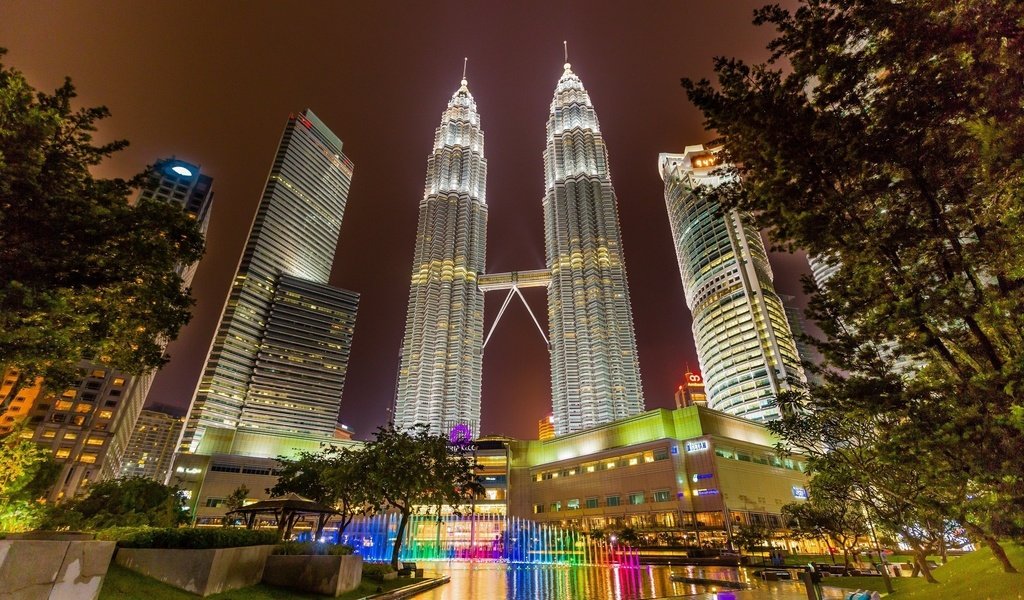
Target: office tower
[[441, 364], [798, 326], [691, 392], [277, 363], [743, 340], [152, 445], [88, 425], [595, 374], [546, 428]]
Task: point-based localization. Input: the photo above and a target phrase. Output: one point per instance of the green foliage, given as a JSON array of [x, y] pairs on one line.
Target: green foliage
[[332, 476], [313, 548], [403, 469], [27, 471], [235, 501], [377, 570], [197, 539], [832, 513], [86, 273], [125, 502], [628, 535], [891, 145], [750, 537]]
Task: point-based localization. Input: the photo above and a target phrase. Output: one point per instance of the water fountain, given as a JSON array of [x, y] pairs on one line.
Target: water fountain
[[483, 537]]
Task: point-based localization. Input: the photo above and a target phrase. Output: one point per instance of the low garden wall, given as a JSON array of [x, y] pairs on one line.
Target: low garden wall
[[59, 569], [201, 572], [325, 574]]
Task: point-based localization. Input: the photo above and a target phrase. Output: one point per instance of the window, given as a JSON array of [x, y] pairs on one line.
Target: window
[[636, 498], [94, 441], [50, 434], [58, 418], [556, 506], [83, 408], [591, 502], [78, 420], [62, 453], [70, 435], [110, 403], [539, 477], [611, 501], [634, 461], [214, 502], [573, 504], [99, 373], [661, 454], [538, 508], [87, 458], [662, 496], [62, 405], [610, 464], [104, 414], [114, 393], [648, 456], [119, 381]]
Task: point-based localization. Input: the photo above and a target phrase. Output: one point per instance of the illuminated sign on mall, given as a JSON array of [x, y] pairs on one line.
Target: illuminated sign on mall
[[799, 492], [696, 446], [701, 476], [705, 492]]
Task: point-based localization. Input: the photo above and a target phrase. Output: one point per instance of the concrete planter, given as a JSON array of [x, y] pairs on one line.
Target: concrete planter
[[201, 572], [327, 575], [59, 569]]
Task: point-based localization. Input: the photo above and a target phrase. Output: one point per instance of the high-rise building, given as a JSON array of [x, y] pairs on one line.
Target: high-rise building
[[546, 428], [440, 375], [278, 361], [744, 343], [152, 445], [88, 426], [595, 373], [691, 392], [798, 326]]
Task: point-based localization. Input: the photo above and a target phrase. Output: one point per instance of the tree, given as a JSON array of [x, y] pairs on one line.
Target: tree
[[892, 145], [750, 537], [86, 273], [26, 473], [123, 502], [332, 476], [235, 501], [831, 514], [628, 535], [413, 469]]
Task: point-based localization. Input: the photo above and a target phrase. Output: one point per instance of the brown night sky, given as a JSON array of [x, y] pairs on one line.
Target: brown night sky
[[213, 83]]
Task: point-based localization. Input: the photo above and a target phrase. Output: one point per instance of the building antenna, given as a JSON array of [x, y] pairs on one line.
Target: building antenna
[[465, 61], [565, 45]]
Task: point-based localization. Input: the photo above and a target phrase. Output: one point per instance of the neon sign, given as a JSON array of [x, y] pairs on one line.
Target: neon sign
[[697, 446], [799, 492], [460, 435], [701, 476], [705, 492]]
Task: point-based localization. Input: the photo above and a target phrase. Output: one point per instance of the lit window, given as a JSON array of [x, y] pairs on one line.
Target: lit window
[[556, 506], [104, 414], [87, 458], [591, 468], [573, 504], [636, 498], [69, 393], [62, 453], [538, 508], [610, 465], [119, 381], [49, 434], [94, 441], [99, 373], [661, 496], [62, 405], [648, 456], [634, 461], [83, 408], [70, 435]]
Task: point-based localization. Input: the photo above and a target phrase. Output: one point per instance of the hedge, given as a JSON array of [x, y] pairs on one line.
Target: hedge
[[311, 548], [197, 539]]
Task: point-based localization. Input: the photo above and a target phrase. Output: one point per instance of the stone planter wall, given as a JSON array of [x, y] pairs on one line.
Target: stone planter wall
[[201, 572], [68, 569], [327, 575]]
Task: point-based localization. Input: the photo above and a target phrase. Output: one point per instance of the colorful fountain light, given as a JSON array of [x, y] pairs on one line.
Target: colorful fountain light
[[483, 537]]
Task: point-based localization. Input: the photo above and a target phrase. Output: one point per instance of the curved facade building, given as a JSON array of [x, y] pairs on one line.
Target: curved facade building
[[440, 374], [595, 374], [743, 339]]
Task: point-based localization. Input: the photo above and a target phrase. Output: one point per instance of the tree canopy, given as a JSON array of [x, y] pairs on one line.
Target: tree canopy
[[884, 136], [87, 274], [129, 501]]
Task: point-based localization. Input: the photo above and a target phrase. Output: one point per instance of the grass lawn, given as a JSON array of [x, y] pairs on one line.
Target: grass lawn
[[976, 575], [122, 584]]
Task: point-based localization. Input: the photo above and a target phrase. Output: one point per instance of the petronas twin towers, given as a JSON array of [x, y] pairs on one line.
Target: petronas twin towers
[[595, 374]]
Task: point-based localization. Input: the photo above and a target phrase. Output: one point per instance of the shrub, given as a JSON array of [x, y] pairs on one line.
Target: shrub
[[196, 539], [116, 534], [125, 502], [376, 571], [312, 548]]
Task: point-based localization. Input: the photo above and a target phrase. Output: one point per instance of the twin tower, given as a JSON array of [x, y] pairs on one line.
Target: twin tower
[[595, 374]]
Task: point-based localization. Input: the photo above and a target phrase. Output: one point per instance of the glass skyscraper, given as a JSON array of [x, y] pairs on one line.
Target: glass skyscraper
[[595, 373], [744, 343], [440, 375], [277, 364]]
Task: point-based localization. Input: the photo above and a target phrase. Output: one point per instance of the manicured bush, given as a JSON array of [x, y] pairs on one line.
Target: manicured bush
[[196, 539], [116, 534], [311, 548], [376, 571]]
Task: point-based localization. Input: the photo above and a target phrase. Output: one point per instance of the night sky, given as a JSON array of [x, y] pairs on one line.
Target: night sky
[[214, 82]]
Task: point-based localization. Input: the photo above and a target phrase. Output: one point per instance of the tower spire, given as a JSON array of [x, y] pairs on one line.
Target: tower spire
[[565, 47], [465, 61]]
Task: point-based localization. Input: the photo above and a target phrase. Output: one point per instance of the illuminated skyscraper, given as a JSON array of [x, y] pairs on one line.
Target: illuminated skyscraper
[[595, 374], [277, 364], [744, 343], [439, 378]]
